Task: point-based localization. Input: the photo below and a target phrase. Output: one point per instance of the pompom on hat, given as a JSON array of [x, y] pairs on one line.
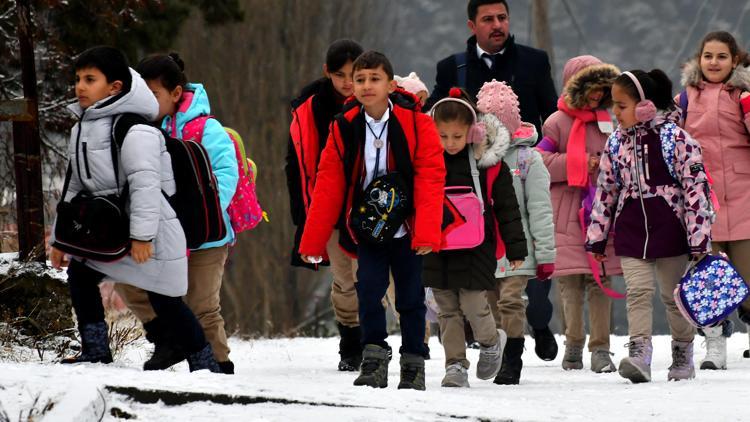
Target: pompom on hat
[[498, 99], [411, 83]]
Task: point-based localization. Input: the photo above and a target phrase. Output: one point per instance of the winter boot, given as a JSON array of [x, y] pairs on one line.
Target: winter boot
[[373, 371], [546, 345], [226, 368], [716, 345], [94, 345], [573, 357], [682, 361], [203, 359], [491, 357], [412, 372], [455, 376], [746, 353], [510, 371], [165, 355], [350, 348], [601, 361], [637, 366]]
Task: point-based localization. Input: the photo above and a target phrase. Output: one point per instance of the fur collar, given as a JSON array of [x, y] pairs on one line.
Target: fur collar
[[495, 143], [591, 78], [692, 76]]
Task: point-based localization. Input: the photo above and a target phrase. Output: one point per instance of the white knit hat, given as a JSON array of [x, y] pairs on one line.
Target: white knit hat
[[411, 83]]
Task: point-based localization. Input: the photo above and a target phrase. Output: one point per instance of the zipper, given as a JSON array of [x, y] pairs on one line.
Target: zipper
[[646, 162], [78, 144], [86, 160], [640, 193]]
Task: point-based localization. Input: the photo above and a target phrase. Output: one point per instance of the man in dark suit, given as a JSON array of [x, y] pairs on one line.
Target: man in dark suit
[[492, 53]]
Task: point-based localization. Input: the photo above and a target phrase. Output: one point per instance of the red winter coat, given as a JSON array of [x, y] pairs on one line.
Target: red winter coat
[[341, 161]]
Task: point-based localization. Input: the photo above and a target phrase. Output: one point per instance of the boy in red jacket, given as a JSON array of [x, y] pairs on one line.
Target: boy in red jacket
[[381, 177]]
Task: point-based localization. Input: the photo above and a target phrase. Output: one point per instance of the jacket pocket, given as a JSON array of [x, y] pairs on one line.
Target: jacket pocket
[[743, 167]]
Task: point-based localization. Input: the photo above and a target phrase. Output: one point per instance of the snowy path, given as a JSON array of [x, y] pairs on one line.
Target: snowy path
[[296, 379]]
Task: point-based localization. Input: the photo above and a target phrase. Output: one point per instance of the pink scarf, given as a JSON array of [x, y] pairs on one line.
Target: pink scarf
[[577, 160]]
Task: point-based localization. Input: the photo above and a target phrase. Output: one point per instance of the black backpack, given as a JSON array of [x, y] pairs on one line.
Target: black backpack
[[196, 200]]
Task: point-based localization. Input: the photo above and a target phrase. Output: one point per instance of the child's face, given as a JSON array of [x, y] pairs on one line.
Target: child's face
[[372, 87], [624, 107], [453, 135], [594, 98], [717, 62], [167, 99], [342, 79], [92, 86]]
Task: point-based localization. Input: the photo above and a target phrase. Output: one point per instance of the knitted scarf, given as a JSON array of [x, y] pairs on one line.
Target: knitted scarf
[[577, 160]]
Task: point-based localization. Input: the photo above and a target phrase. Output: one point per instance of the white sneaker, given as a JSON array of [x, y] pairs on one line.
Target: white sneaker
[[455, 376], [491, 357], [716, 349]]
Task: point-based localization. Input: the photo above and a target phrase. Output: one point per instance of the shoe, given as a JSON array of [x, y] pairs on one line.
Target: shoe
[[510, 371], [746, 353], [94, 345], [546, 345], [373, 371], [682, 361], [350, 348], [491, 357], [226, 368], [203, 359], [455, 376], [412, 372], [637, 366], [573, 357], [165, 355], [601, 361], [716, 349]]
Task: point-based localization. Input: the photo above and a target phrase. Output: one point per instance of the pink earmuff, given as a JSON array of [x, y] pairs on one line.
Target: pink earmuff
[[477, 131], [645, 110]]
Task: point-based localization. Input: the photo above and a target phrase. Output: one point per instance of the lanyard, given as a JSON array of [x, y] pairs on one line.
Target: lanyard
[[378, 145]]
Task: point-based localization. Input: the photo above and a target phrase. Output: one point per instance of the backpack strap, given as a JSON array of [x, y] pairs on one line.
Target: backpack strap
[[121, 125], [523, 158], [684, 105], [613, 148], [667, 135], [475, 177], [192, 130], [461, 69]]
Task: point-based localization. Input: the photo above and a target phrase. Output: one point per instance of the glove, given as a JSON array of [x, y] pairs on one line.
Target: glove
[[544, 271]]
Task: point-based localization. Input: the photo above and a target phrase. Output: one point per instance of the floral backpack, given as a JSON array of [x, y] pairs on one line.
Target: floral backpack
[[244, 211]]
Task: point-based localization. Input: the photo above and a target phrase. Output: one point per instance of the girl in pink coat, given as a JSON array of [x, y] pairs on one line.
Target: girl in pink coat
[[715, 104], [574, 138]]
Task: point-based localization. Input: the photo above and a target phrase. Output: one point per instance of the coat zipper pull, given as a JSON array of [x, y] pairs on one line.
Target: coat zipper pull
[[645, 162]]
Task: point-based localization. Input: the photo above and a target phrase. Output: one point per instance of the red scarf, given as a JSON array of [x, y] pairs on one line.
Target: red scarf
[[577, 159]]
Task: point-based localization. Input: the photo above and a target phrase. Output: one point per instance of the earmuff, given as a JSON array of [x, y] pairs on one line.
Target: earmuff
[[645, 110], [477, 131]]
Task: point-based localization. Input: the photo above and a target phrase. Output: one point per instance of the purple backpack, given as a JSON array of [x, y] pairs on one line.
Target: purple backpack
[[710, 291]]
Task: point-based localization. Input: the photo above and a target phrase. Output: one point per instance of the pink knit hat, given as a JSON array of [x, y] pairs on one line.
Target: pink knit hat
[[577, 64], [499, 99], [411, 83]]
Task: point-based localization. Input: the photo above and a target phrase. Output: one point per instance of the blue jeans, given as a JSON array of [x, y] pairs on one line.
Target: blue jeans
[[539, 309], [375, 262]]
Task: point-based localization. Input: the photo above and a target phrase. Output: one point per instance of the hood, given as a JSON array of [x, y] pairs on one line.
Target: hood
[[692, 76], [405, 99], [194, 103], [525, 136], [138, 100], [495, 144], [590, 78], [322, 87]]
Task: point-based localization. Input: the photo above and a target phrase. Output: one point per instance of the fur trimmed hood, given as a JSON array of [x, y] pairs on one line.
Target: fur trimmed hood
[[495, 144], [692, 76], [594, 77]]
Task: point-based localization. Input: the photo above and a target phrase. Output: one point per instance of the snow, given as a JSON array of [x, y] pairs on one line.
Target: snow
[[9, 264], [296, 379]]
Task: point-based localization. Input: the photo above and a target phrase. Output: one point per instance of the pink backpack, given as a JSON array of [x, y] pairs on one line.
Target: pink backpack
[[244, 211]]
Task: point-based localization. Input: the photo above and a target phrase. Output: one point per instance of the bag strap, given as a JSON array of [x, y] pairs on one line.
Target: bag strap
[[461, 69], [684, 105], [475, 177], [121, 125], [523, 162]]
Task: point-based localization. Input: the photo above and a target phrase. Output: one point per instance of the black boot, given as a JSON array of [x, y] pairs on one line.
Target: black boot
[[167, 353], [546, 345], [94, 344], [350, 348], [227, 367], [510, 372]]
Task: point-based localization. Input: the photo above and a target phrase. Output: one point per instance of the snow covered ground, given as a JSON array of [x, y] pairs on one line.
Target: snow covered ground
[[296, 379]]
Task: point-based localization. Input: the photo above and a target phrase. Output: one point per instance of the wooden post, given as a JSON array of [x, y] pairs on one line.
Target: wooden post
[[541, 31]]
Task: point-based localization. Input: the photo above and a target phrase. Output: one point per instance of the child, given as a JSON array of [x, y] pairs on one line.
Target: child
[[106, 87], [574, 138], [413, 84], [715, 111], [460, 278], [179, 103], [531, 186], [652, 189], [375, 140], [312, 114]]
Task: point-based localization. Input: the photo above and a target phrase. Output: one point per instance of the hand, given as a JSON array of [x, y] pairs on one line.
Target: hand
[[56, 257], [514, 265], [141, 251], [312, 259], [593, 163], [544, 271], [600, 257], [423, 250]]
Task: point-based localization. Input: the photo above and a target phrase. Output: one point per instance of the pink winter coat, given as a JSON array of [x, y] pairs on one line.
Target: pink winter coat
[[566, 200], [716, 119]]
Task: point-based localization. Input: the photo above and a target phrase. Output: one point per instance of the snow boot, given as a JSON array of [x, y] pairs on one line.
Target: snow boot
[[746, 353], [716, 345], [682, 361], [510, 371], [491, 357], [455, 376], [373, 371], [165, 355], [573, 357], [637, 366], [412, 372], [350, 348], [545, 344], [226, 368], [601, 361], [94, 344], [203, 359]]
